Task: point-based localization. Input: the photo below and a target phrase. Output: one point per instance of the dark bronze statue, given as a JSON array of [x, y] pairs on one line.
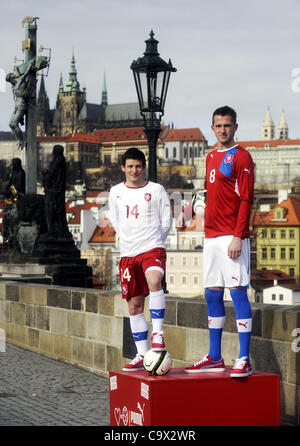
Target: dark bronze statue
[[54, 181], [17, 178]]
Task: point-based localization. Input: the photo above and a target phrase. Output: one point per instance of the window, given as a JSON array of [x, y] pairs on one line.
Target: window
[[184, 280], [280, 296], [172, 261], [273, 233], [273, 253], [107, 160], [264, 233], [292, 272], [273, 296], [264, 253], [171, 280], [183, 261], [292, 253], [174, 152], [196, 280], [195, 261], [282, 233], [292, 233], [167, 152], [282, 253]]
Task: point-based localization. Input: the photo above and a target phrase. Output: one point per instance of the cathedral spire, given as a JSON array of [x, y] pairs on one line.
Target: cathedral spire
[[72, 84], [268, 128], [283, 130], [61, 84], [104, 92]]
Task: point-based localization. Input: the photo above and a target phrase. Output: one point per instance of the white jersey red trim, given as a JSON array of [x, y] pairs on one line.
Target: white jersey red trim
[[141, 216]]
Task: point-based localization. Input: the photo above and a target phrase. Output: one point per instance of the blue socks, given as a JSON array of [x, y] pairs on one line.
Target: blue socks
[[216, 320], [243, 319]]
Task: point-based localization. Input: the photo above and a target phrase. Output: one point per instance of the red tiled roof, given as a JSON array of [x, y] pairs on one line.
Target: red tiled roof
[[193, 134], [270, 143], [98, 284], [292, 215], [270, 274], [257, 217], [104, 234], [121, 134], [263, 278], [75, 210], [84, 137]]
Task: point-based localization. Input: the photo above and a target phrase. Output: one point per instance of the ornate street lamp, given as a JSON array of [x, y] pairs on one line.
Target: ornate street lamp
[[151, 76]]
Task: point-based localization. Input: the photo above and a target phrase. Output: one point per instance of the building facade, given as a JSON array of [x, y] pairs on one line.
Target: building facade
[[278, 239]]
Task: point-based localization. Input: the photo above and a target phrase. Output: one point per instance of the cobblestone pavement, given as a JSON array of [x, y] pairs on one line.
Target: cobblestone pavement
[[39, 391]]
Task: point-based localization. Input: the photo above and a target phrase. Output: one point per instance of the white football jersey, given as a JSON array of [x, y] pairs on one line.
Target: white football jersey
[[141, 216]]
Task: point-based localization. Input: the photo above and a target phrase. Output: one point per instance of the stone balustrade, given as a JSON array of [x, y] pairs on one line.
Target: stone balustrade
[[90, 328]]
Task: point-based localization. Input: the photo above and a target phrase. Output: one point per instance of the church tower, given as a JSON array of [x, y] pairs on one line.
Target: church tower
[[283, 130], [70, 101], [268, 128], [43, 111], [104, 102]]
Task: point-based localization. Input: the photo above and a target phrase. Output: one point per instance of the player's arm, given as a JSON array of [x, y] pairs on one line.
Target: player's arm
[[113, 213], [245, 180], [166, 216]]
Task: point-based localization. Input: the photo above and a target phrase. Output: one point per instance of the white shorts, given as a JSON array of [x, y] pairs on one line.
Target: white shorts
[[221, 271]]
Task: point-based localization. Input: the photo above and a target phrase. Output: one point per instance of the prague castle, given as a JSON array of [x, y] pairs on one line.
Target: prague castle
[[73, 113]]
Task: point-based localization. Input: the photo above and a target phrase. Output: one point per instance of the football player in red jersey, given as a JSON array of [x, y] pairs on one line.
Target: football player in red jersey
[[229, 185], [140, 212]]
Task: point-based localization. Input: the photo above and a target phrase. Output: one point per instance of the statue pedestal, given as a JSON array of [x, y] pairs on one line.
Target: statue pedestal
[[32, 255], [73, 275]]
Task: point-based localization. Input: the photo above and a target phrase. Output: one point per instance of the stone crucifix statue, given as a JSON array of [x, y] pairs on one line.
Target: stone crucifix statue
[[22, 85]]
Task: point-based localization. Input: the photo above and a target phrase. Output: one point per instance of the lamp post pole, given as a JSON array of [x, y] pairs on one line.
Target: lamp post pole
[[152, 134]]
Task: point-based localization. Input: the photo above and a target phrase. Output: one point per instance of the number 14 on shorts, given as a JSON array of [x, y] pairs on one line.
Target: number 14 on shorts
[[125, 275]]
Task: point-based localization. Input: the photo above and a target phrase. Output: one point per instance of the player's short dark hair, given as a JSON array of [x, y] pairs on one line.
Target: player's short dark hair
[[134, 154], [224, 111]]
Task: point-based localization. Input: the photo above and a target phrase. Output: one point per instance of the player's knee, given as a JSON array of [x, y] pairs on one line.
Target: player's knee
[[135, 307], [154, 278], [154, 281]]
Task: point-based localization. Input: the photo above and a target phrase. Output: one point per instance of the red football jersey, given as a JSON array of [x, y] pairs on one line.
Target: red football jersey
[[230, 183]]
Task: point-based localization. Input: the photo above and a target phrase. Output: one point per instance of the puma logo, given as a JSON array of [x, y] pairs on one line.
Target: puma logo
[[244, 324]]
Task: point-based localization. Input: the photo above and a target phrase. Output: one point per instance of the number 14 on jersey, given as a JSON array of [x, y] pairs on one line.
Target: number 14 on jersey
[[133, 211]]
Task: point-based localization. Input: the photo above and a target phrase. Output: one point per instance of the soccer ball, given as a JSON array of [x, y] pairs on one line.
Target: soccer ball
[[199, 202], [157, 363]]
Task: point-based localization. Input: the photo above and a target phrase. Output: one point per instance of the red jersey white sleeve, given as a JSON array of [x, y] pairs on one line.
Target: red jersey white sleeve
[[141, 216], [230, 184]]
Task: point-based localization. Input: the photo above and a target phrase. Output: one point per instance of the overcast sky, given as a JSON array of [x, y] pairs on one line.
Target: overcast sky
[[235, 52]]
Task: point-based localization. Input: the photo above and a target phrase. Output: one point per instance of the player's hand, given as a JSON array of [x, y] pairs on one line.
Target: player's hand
[[235, 248]]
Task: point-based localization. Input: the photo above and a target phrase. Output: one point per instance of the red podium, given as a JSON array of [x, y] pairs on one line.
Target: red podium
[[202, 399]]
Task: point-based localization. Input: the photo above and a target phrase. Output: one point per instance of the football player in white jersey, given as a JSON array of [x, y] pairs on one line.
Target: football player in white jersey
[[141, 215]]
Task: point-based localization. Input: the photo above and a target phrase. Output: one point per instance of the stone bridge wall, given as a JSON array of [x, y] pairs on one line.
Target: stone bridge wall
[[90, 328]]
